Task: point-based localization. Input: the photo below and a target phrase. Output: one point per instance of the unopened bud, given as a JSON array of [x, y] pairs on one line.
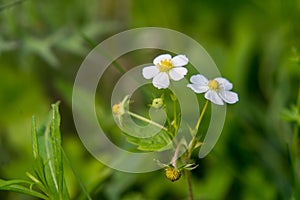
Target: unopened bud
[[157, 103]]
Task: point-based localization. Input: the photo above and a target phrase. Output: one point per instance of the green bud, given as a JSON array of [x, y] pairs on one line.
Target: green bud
[[157, 103]]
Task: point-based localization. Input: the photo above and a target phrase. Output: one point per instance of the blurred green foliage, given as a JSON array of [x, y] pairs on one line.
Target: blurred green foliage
[[48, 175], [254, 44]]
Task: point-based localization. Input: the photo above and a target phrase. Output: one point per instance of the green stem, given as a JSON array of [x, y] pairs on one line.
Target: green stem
[[147, 120], [189, 182], [175, 122], [201, 115], [175, 115], [190, 150]]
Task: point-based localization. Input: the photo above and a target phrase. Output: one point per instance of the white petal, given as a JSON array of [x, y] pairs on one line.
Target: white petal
[[198, 88], [150, 72], [161, 57], [199, 80], [229, 97], [224, 83], [177, 73], [214, 97], [180, 60], [161, 80]]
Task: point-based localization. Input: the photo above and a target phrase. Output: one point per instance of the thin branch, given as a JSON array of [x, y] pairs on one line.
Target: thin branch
[[147, 120]]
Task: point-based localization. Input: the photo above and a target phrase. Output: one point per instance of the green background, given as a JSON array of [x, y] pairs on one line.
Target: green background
[[254, 43]]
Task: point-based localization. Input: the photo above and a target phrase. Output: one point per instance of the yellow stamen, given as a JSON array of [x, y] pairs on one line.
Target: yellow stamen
[[165, 65], [213, 85]]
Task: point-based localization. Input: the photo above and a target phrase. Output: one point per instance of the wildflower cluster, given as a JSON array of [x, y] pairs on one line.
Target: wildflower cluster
[[165, 69]]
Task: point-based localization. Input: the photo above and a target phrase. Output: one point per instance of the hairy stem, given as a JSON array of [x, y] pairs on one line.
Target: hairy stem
[[189, 183]]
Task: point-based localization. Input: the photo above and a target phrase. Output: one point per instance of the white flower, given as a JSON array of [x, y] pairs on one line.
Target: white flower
[[165, 68], [216, 90]]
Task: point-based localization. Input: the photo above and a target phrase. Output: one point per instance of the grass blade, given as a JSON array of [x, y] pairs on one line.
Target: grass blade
[[15, 186], [85, 192]]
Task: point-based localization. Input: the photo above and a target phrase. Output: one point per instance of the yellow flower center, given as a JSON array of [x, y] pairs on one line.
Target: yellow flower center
[[165, 65], [213, 85]]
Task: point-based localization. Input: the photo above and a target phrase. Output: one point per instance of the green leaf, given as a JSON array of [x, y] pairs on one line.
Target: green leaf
[[17, 186], [42, 48], [190, 166], [47, 155], [35, 150], [160, 141], [291, 115]]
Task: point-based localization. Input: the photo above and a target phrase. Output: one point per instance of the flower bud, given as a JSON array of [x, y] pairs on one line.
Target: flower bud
[[120, 108], [172, 173], [157, 103], [117, 109]]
